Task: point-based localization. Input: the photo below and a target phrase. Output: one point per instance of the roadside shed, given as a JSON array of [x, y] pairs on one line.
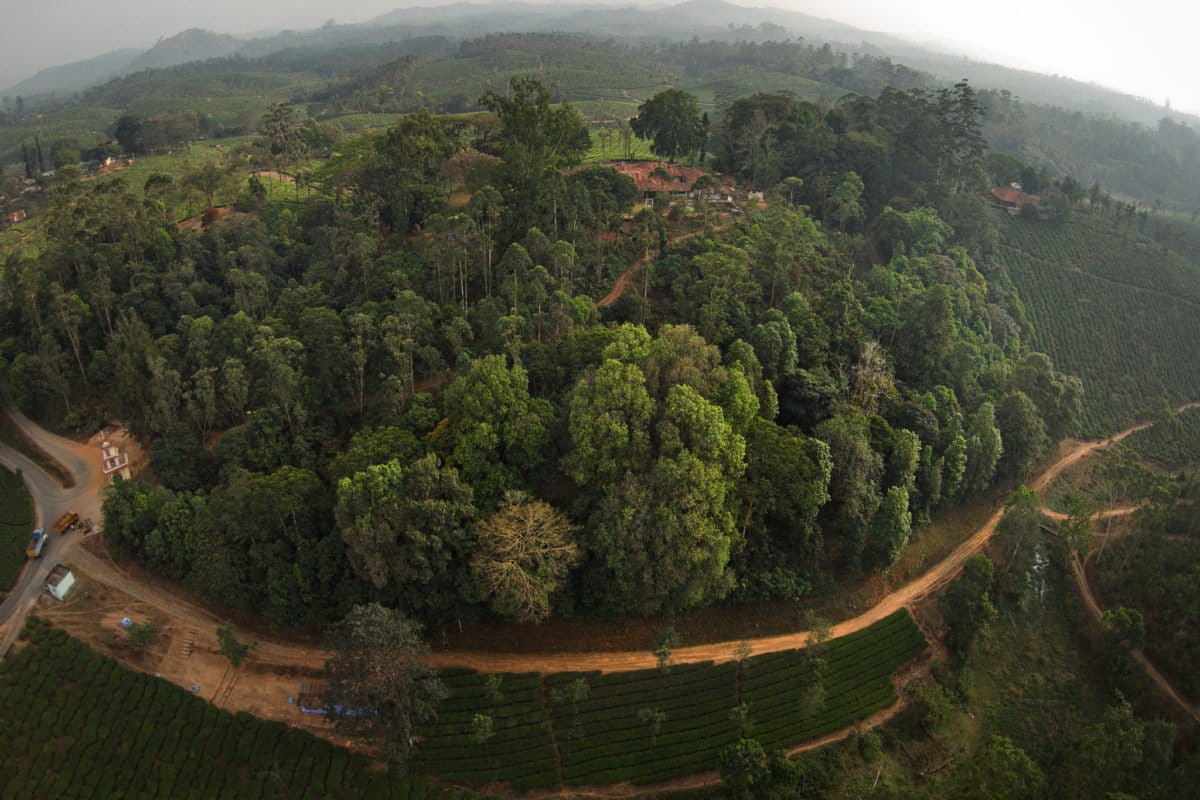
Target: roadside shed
[[60, 581]]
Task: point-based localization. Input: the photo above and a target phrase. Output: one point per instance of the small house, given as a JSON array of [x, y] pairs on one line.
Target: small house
[[114, 461], [1012, 199], [15, 216], [60, 581]]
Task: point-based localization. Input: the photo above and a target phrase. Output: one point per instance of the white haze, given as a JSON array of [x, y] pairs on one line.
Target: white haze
[[1141, 48]]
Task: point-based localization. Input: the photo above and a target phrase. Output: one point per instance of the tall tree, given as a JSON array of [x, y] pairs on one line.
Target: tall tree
[[609, 423], [497, 434], [666, 536], [844, 202], [281, 134], [1023, 432], [407, 528], [984, 446], [672, 121], [522, 557], [536, 139], [380, 677]]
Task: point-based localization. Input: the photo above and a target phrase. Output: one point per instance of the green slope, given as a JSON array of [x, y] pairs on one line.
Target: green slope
[[79, 725], [1113, 308]]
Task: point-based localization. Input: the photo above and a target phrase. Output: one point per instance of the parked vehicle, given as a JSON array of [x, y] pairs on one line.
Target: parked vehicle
[[36, 542], [66, 522]]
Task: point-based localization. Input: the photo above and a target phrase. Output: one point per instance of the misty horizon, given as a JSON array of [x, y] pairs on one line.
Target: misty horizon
[[975, 31]]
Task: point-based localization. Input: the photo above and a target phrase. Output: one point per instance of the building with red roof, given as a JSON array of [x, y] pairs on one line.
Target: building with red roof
[[1012, 198], [662, 177]]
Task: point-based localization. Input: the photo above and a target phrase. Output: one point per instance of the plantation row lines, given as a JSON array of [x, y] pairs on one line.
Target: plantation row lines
[[1173, 445], [78, 725], [1094, 246], [1132, 348], [16, 521], [653, 725]]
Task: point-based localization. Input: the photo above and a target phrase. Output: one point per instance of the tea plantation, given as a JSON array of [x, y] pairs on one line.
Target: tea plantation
[[1110, 307], [16, 521], [78, 725], [652, 725]]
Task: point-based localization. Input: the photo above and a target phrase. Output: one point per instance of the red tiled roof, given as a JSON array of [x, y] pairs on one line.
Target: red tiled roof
[[682, 178], [1013, 197]]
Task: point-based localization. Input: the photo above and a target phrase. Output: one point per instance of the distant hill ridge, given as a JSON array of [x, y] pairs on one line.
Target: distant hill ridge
[[194, 44], [703, 18]]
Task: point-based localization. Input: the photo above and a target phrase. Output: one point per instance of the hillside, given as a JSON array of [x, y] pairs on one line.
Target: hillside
[[707, 19], [1110, 306], [76, 75], [469, 432], [190, 45]]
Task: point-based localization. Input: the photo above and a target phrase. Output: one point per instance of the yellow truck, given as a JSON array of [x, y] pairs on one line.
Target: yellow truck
[[66, 522]]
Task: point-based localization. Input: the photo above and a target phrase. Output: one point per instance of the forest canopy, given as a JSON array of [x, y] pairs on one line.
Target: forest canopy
[[399, 388]]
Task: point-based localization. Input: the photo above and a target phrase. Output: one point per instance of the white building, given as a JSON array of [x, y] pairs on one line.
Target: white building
[[60, 581], [115, 461]]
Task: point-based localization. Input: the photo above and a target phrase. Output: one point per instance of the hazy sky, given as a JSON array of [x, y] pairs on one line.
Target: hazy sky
[[1144, 48]]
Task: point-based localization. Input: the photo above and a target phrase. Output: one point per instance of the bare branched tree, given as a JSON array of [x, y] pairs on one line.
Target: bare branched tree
[[522, 558]]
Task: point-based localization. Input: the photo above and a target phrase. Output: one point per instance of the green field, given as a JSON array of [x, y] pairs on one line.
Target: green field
[[607, 737], [79, 725], [16, 521], [610, 149], [1111, 309]]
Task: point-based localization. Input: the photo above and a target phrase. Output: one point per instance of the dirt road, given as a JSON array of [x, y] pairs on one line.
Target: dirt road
[[625, 279], [1159, 680], [50, 499], [284, 653], [1079, 571], [275, 668], [931, 582]]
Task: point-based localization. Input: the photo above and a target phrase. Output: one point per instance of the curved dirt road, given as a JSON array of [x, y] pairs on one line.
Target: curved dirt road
[[50, 500], [1160, 680], [1079, 571], [85, 497], [931, 582], [280, 652]]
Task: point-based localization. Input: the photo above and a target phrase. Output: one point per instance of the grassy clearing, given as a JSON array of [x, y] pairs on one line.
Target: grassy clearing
[[652, 725], [1077, 484], [606, 109], [79, 725], [16, 521], [355, 124]]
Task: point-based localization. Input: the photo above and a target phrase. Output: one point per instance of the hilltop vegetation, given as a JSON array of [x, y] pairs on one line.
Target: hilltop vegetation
[[340, 70], [378, 378], [15, 526], [757, 418]]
